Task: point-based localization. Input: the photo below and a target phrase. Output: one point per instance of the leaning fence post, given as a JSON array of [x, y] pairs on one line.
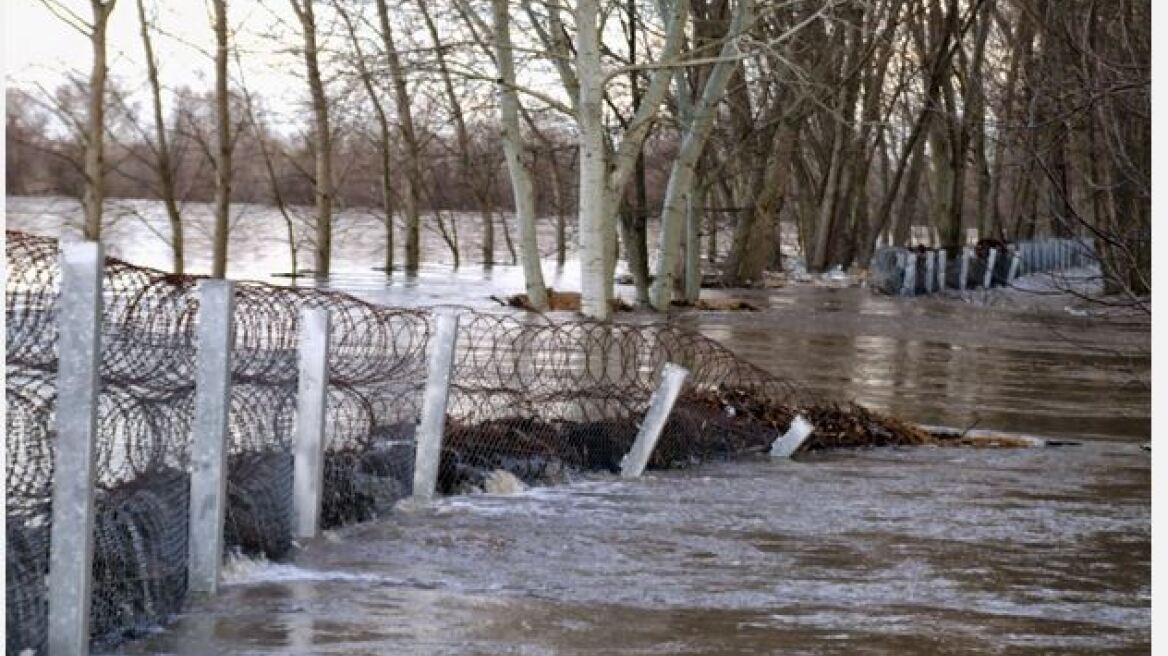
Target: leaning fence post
[[991, 260], [962, 280], [209, 434], [660, 405], [942, 256], [909, 287], [930, 269], [311, 406], [78, 317], [429, 447]]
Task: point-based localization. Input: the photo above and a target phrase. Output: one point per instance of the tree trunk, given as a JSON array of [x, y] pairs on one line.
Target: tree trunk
[[693, 143], [512, 147], [223, 152], [465, 167], [383, 133], [94, 194], [759, 251], [323, 140], [162, 147], [594, 287], [694, 216], [412, 201]]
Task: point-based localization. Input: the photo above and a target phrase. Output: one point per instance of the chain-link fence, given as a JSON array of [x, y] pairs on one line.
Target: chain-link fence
[[539, 398]]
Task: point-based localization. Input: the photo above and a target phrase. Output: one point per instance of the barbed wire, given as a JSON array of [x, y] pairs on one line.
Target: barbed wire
[[539, 398]]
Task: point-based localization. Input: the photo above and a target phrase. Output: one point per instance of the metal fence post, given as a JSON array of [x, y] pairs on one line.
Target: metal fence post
[[942, 258], [930, 270], [78, 316], [963, 278], [991, 260], [660, 405], [429, 447], [209, 434], [311, 407]]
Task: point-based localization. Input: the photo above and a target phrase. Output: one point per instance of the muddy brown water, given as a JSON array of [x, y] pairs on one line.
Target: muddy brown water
[[875, 551]]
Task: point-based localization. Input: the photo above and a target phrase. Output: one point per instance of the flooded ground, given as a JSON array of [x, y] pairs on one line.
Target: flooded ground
[[880, 551]]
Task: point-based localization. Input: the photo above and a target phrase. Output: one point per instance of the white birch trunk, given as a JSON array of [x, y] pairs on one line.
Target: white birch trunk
[[512, 148], [600, 191], [593, 167], [682, 175]]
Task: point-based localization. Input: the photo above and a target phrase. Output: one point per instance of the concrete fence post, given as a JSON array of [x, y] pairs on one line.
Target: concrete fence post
[[660, 405], [209, 434], [930, 270], [78, 316], [942, 258], [909, 287], [787, 444], [311, 408], [429, 434], [963, 278], [991, 260]]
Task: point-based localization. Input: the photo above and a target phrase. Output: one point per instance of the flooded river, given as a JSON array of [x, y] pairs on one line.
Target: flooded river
[[876, 551]]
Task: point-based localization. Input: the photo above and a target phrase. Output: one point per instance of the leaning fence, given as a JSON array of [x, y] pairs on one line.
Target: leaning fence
[[539, 398], [920, 270]]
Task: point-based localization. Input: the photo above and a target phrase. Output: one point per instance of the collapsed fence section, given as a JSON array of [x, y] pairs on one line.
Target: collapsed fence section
[[540, 399], [920, 270]]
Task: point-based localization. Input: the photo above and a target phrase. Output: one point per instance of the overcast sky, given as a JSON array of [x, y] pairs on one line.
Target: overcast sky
[[40, 48]]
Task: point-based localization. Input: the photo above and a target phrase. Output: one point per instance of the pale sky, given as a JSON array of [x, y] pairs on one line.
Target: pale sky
[[40, 48]]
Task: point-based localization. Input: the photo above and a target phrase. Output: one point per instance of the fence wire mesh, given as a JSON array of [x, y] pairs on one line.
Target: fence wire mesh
[[539, 398]]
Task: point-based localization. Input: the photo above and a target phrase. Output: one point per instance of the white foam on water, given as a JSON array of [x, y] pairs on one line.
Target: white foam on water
[[240, 569]]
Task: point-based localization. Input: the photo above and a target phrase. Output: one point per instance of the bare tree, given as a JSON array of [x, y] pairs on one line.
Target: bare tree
[[164, 165], [413, 166], [223, 172], [93, 196], [513, 147], [383, 131], [322, 137]]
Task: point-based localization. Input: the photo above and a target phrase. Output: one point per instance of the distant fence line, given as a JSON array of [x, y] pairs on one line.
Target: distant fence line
[[919, 270]]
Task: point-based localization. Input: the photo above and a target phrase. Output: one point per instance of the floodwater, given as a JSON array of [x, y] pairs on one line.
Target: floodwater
[[876, 551]]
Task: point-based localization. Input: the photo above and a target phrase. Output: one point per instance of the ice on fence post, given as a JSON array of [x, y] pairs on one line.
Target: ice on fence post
[[942, 258], [660, 405], [1014, 262], [78, 320], [311, 409], [209, 434], [796, 435], [429, 434]]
